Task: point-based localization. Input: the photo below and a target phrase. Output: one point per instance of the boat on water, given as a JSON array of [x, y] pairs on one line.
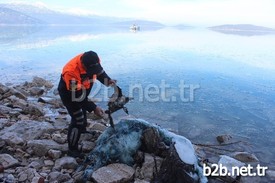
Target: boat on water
[[134, 27]]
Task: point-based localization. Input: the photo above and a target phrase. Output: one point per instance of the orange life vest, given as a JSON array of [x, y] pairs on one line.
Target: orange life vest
[[75, 76]]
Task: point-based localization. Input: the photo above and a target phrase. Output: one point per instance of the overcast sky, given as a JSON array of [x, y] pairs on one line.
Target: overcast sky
[[196, 12]]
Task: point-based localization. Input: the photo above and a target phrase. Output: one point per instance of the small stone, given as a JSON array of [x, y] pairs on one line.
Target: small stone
[[48, 163], [223, 138], [87, 146], [59, 139], [65, 163], [10, 179], [8, 161], [54, 154], [38, 180], [98, 127], [35, 164], [114, 173], [36, 91], [58, 177]]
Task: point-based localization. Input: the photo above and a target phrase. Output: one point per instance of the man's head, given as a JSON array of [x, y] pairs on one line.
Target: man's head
[[90, 61]]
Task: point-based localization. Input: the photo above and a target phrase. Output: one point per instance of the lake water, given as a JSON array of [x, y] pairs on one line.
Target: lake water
[[194, 81]]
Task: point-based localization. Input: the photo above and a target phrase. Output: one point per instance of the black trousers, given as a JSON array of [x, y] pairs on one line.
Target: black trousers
[[78, 117]]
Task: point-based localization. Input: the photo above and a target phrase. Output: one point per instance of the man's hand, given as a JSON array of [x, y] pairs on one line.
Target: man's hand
[[112, 82], [98, 111]]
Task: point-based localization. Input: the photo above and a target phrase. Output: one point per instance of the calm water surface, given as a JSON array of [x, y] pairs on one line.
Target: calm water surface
[[235, 76]]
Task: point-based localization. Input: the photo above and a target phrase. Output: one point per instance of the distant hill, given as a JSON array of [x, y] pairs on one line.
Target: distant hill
[[26, 14], [8, 17], [243, 29]]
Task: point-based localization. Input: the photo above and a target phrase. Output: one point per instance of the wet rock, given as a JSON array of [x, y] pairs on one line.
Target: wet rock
[[245, 157], [36, 91], [58, 177], [114, 173], [223, 138], [54, 154], [8, 161], [65, 163], [41, 147], [26, 130]]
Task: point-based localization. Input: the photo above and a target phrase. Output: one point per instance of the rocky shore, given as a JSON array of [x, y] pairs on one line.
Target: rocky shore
[[33, 145]]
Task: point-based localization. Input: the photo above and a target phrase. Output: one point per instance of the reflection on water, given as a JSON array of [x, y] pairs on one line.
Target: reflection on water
[[235, 75]]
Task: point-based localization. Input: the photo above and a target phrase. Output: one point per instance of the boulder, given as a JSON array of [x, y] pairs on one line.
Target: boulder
[[26, 130], [114, 173], [40, 82], [41, 147]]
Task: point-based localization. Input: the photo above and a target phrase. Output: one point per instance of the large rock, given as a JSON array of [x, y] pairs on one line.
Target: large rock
[[114, 173], [25, 130], [41, 147], [7, 161], [40, 82]]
